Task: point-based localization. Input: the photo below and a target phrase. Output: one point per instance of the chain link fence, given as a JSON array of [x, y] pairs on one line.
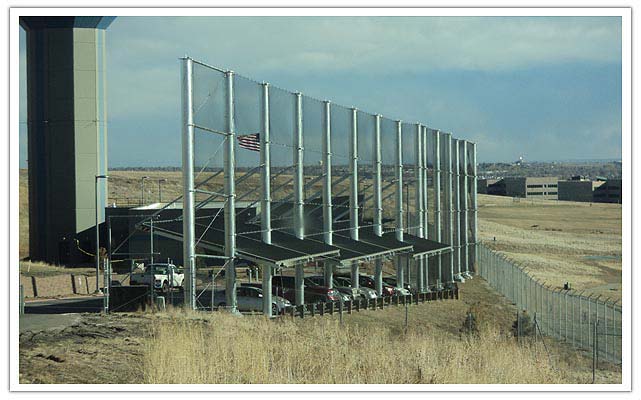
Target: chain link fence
[[588, 323]]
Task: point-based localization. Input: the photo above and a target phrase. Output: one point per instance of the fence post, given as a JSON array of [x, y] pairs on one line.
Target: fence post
[[573, 318], [605, 327], [21, 299], [565, 297], [581, 319], [594, 350]]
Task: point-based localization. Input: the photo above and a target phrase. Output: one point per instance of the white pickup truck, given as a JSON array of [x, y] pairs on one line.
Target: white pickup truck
[[164, 276]]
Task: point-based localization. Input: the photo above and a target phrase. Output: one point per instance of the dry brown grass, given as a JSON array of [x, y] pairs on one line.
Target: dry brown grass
[[558, 241], [224, 349], [36, 268]]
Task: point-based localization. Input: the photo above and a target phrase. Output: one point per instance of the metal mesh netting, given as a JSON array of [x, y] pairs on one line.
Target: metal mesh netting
[[410, 176], [313, 126], [340, 140], [209, 98], [282, 122], [247, 168], [388, 171], [366, 136]]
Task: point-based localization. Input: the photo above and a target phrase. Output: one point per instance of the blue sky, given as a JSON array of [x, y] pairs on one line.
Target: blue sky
[[545, 88]]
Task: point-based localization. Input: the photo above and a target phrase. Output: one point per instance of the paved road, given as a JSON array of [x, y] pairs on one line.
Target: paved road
[[41, 322], [64, 306], [57, 313]]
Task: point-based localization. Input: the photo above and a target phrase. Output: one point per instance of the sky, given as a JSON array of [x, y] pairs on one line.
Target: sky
[[545, 88]]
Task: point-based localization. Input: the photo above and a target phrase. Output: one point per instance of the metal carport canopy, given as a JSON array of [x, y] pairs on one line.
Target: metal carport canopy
[[387, 241], [354, 250], [288, 249], [423, 247], [285, 252]]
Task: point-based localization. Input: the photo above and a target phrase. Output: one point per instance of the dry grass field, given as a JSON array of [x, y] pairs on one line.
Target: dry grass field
[[178, 347], [558, 241]]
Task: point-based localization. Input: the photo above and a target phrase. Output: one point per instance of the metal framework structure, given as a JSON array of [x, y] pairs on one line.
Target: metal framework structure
[[334, 185]]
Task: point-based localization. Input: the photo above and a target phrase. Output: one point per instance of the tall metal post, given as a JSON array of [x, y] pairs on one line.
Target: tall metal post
[[378, 208], [265, 209], [299, 224], [265, 161], [457, 209], [420, 210], [230, 194], [437, 204], [420, 207], [97, 204], [448, 203], [399, 196], [189, 256], [426, 224], [399, 182], [474, 194], [465, 212], [378, 203], [327, 189], [353, 192], [299, 221], [327, 175]]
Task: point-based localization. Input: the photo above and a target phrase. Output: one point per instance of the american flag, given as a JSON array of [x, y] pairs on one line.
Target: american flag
[[249, 142]]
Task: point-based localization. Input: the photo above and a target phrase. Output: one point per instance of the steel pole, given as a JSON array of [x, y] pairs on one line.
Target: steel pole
[[475, 252], [378, 203], [230, 194], [457, 210], [420, 207], [299, 224], [97, 204], [378, 207], [399, 182], [299, 220], [448, 203], [265, 161], [188, 181], [437, 204], [353, 193], [327, 175], [465, 254], [426, 224]]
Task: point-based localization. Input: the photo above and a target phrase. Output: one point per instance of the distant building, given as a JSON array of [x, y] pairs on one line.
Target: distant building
[[608, 192], [577, 189], [532, 187], [483, 185]]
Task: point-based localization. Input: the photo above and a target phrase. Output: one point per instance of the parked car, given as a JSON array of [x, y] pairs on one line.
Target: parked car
[[368, 281], [249, 298], [285, 286], [363, 292], [164, 276], [351, 293], [391, 280]]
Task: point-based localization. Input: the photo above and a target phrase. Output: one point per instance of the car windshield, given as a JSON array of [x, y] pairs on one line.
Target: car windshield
[[158, 269]]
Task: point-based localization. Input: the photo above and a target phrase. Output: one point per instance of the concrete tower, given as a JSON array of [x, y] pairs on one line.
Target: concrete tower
[[67, 131]]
